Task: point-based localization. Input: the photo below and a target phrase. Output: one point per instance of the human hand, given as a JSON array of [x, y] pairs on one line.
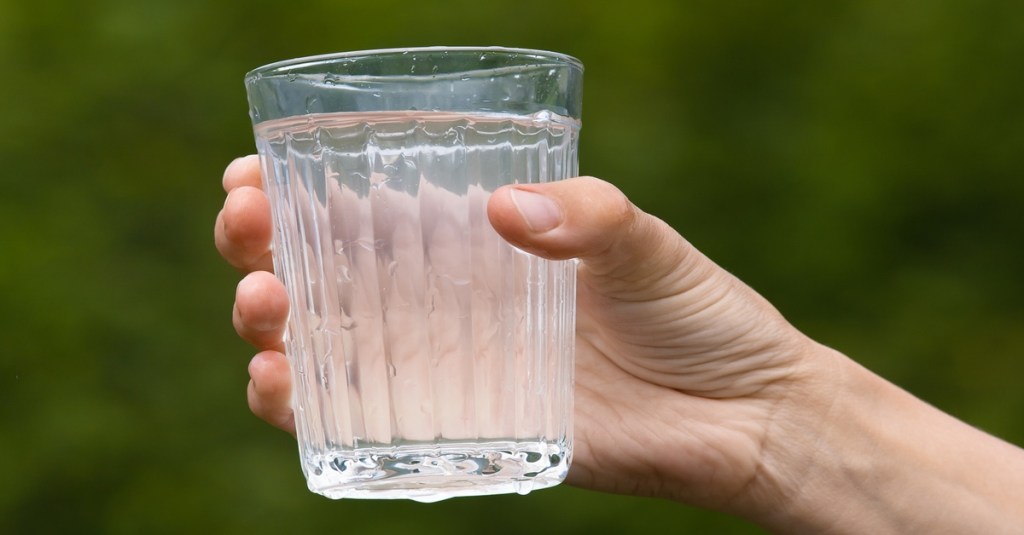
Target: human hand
[[680, 367], [689, 385]]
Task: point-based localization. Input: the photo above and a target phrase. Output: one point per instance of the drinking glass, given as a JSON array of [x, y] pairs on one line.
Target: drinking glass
[[429, 357]]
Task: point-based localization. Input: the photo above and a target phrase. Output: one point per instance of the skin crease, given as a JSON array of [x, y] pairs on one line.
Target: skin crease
[[689, 385]]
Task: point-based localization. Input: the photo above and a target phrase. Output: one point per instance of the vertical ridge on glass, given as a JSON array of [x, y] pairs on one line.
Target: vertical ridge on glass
[[322, 308], [299, 266], [384, 434]]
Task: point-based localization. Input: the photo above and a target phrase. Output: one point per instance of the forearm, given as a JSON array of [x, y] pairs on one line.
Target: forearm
[[882, 461]]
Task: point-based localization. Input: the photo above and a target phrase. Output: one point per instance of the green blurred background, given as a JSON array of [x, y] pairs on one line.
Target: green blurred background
[[857, 162]]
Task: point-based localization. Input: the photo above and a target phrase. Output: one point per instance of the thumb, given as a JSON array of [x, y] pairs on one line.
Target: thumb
[[592, 220], [650, 291]]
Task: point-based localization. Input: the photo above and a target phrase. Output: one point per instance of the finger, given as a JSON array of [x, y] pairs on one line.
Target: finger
[[592, 220], [261, 310], [270, 390], [243, 230], [244, 171], [648, 294]]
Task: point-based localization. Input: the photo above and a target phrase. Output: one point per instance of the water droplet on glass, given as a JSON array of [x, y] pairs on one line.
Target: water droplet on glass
[[325, 373], [312, 104]]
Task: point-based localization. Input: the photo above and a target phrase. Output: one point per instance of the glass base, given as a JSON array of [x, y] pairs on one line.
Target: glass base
[[430, 473]]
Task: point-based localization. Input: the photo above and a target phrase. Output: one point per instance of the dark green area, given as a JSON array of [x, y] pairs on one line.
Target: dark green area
[[859, 163]]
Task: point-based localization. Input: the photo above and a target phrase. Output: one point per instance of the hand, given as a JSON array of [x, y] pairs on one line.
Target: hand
[[681, 369], [690, 386]]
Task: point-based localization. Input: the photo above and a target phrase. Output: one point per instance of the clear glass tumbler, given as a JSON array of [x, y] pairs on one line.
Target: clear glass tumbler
[[430, 358]]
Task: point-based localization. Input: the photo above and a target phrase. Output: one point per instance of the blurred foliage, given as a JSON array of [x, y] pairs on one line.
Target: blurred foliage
[[857, 162]]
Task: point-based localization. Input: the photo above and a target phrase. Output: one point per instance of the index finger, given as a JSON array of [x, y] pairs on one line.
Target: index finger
[[244, 171]]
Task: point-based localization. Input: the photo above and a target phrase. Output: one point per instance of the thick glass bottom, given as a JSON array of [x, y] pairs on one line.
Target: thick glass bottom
[[430, 473]]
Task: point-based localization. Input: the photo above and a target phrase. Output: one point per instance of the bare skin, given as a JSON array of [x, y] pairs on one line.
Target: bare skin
[[690, 386]]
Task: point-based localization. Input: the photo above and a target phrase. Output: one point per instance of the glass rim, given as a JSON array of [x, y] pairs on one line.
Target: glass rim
[[283, 66]]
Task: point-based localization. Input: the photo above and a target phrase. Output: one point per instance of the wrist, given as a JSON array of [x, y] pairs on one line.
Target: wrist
[[858, 454], [824, 456], [799, 445]]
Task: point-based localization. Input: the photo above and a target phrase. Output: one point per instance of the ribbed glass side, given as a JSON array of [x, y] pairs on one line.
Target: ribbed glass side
[[430, 358]]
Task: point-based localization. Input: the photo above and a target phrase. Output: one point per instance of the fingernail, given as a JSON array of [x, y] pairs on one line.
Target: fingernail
[[540, 213]]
